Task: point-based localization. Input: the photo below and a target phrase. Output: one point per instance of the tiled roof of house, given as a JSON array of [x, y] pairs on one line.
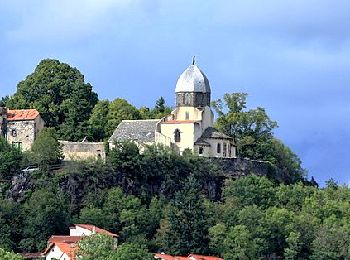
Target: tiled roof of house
[[136, 130], [68, 248], [64, 239], [96, 229], [22, 114], [203, 257]]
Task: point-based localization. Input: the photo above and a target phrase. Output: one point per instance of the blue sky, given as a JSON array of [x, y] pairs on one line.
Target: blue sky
[[291, 57]]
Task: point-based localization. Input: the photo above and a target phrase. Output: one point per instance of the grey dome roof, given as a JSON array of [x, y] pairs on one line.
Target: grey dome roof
[[192, 80]]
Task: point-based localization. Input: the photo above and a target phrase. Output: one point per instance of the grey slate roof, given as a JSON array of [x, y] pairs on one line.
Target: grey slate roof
[[211, 132], [192, 80], [137, 130]]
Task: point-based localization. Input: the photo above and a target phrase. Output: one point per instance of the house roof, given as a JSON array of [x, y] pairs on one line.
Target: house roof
[[137, 130], [32, 255], [203, 257], [212, 132], [68, 248], [64, 239], [96, 229], [22, 114]]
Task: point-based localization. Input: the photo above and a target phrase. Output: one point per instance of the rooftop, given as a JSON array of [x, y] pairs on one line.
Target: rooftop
[[21, 114], [96, 229], [192, 80], [137, 130]]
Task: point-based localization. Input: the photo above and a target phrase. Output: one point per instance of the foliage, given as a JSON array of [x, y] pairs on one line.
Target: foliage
[[253, 132], [98, 122], [46, 149], [101, 247], [46, 213], [9, 255], [59, 93], [186, 231], [118, 110], [10, 160]]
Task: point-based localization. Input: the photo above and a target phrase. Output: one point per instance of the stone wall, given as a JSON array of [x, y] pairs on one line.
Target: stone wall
[[21, 133], [83, 150]]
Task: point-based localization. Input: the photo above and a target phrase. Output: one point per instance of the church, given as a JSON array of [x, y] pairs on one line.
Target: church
[[189, 126]]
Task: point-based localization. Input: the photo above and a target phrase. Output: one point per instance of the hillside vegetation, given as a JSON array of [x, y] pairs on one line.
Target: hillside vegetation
[[159, 201]]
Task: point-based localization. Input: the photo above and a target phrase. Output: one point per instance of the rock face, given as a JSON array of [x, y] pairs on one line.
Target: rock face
[[20, 185], [238, 167], [77, 185]]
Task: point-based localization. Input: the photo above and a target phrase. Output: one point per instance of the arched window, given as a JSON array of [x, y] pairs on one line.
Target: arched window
[[188, 99], [187, 115], [218, 148], [177, 136], [224, 150], [200, 150]]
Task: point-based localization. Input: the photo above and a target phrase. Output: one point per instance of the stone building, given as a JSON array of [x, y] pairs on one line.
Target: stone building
[[83, 150], [20, 127], [189, 126]]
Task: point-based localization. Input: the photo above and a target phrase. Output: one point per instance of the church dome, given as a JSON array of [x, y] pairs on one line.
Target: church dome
[[192, 80]]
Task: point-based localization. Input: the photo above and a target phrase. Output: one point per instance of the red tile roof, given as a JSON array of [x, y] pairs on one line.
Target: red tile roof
[[96, 229], [64, 239], [203, 257], [22, 114], [68, 248], [163, 256]]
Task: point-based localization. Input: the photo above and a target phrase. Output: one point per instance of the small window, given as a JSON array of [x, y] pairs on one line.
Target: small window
[[218, 148], [229, 151], [200, 150], [187, 115], [17, 145], [177, 136], [13, 133], [224, 150]]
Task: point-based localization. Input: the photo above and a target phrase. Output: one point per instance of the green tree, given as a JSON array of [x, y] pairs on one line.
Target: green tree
[[46, 149], [293, 248], [98, 122], [98, 246], [45, 214], [9, 255], [10, 160], [10, 222], [331, 243], [187, 231], [250, 190], [253, 132], [238, 244], [160, 109], [103, 247], [119, 109], [59, 93]]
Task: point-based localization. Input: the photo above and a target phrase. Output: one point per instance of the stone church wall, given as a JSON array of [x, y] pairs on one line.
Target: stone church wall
[[83, 150]]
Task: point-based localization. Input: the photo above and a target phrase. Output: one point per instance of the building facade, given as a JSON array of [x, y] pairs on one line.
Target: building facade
[[189, 126], [20, 127]]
